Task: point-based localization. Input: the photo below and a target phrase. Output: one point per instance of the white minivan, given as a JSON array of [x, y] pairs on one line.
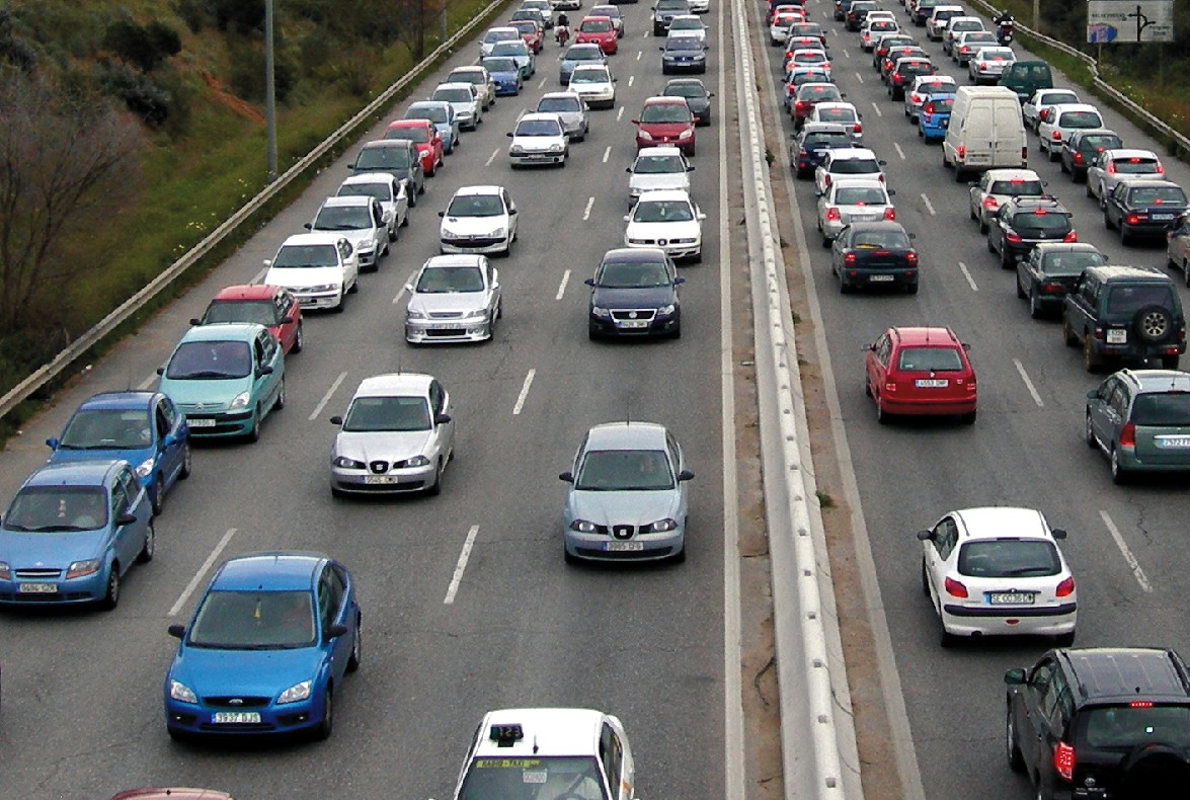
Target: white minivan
[[985, 131]]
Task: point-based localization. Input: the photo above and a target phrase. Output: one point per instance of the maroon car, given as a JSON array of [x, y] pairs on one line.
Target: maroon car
[[666, 120], [272, 306]]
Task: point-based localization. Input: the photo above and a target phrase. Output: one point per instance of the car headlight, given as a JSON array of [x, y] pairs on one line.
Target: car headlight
[[241, 400], [181, 692], [665, 311], [368, 250], [583, 526], [600, 312], [645, 135], [516, 150], [347, 463], [660, 526], [499, 232], [412, 314], [81, 569], [416, 461], [324, 287], [557, 148], [5, 571], [686, 134], [145, 468], [476, 313], [299, 691]]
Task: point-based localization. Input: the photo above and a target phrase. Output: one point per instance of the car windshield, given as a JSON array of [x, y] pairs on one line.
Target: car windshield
[[1161, 408], [475, 205], [1125, 300], [383, 158], [469, 76], [1016, 187], [1157, 195], [415, 135], [559, 105], [665, 112], [624, 471], [859, 196], [930, 359], [1071, 264], [1079, 119], [517, 48], [380, 414], [262, 312], [500, 64], [492, 37], [1041, 220], [379, 191], [589, 76], [538, 127], [595, 25], [458, 95], [254, 620], [307, 255], [57, 509], [1125, 727], [885, 239], [1137, 166], [1054, 98], [683, 43], [210, 361], [436, 114], [574, 778], [632, 275], [1009, 558], [663, 211], [686, 25], [584, 53], [835, 114], [448, 280], [657, 165], [685, 90], [854, 166], [108, 428], [343, 218], [525, 25]]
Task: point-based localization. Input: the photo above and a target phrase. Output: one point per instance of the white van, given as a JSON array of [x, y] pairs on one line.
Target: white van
[[985, 131]]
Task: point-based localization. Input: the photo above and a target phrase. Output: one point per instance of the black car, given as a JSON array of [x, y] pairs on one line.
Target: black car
[[904, 71], [841, 9], [811, 143], [1023, 222], [665, 11], [874, 254], [635, 293], [1050, 272], [895, 54], [1081, 148], [923, 10], [1144, 207], [857, 12], [399, 158], [683, 54], [1101, 723], [697, 97]]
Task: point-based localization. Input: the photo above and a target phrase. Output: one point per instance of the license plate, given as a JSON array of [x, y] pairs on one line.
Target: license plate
[[621, 547], [1117, 336], [1011, 598], [633, 323], [234, 717], [932, 383], [1173, 441], [1163, 217], [381, 480], [200, 423], [38, 588], [881, 278], [863, 217], [444, 326]]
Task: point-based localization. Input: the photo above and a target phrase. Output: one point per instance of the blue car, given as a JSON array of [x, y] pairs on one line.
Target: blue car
[[935, 116], [266, 650], [143, 428], [72, 532], [505, 74]]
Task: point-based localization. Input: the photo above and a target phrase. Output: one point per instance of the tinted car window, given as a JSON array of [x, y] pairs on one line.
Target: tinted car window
[[1080, 119], [1162, 408], [1157, 195], [1130, 299], [1125, 727], [1006, 558], [1041, 222], [1015, 188], [1072, 263]]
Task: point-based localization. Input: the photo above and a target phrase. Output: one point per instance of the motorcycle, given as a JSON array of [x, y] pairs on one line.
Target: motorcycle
[[1004, 33], [562, 34]]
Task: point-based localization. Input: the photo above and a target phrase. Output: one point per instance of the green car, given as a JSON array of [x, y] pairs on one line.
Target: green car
[[1140, 419], [225, 378], [1026, 77]]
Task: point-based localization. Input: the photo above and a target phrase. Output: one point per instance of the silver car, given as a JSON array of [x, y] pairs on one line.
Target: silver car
[[627, 495], [397, 437], [849, 200], [454, 298], [385, 188], [661, 167], [571, 109], [480, 79], [996, 187], [362, 220], [464, 98]]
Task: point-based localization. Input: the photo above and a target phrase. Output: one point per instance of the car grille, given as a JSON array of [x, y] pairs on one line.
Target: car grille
[[474, 241], [388, 488], [623, 531], [634, 314], [445, 314], [39, 574], [378, 467], [238, 727], [444, 334], [623, 555], [200, 408], [236, 702]]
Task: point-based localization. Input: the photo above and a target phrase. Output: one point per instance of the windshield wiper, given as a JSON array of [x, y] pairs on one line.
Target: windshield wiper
[[207, 374]]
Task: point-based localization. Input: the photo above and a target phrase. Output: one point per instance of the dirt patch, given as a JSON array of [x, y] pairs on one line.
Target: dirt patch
[[218, 92]]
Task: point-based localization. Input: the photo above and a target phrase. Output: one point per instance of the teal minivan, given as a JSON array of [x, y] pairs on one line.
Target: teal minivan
[[225, 378], [1026, 77]]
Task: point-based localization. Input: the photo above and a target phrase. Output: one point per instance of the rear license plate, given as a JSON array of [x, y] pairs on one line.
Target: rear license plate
[[38, 588], [1011, 598], [234, 717], [621, 547], [881, 278], [1162, 217], [200, 423], [932, 383], [633, 323], [1173, 441], [1117, 336], [381, 480]]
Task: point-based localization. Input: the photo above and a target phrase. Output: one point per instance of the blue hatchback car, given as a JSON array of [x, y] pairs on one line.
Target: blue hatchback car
[[266, 650], [505, 74], [143, 428], [72, 532], [935, 116]]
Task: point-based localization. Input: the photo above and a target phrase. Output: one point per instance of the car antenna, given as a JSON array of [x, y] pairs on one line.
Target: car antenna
[[535, 742]]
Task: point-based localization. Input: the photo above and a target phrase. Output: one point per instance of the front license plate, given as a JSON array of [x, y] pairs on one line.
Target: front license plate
[[1011, 598], [381, 480], [1173, 441], [931, 383], [881, 278], [39, 588], [1117, 336], [633, 323], [443, 326], [201, 423], [621, 547], [1163, 217], [234, 717]]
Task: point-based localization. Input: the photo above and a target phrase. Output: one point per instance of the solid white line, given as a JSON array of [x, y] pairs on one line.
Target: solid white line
[[607, 154], [900, 152], [260, 275], [147, 382], [461, 566], [879, 113], [967, 275], [520, 400], [206, 566], [326, 398], [492, 158], [929, 205], [619, 113], [859, 77], [401, 293], [631, 78], [1137, 572], [562, 286], [1028, 383], [587, 210]]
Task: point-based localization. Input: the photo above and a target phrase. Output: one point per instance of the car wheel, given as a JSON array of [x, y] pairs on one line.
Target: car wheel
[[1102, 197], [254, 432], [844, 286], [945, 638], [299, 340], [1020, 290], [1035, 309], [1153, 324], [680, 556], [882, 416], [568, 557], [327, 725], [405, 219], [991, 247], [925, 579], [1087, 189], [983, 225], [969, 418], [412, 200], [184, 472], [971, 212], [157, 496], [357, 646], [1125, 237], [338, 309], [279, 403], [150, 546], [1065, 639], [111, 597], [1119, 475], [826, 242], [677, 332], [1006, 259], [1016, 761], [436, 488], [1107, 223], [500, 309]]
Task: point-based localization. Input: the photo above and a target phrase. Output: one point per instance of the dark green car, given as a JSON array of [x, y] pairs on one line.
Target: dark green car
[[1026, 77], [1140, 419]]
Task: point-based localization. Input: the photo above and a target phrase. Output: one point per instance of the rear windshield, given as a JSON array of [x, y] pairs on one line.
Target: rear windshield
[[1162, 408], [1009, 558], [1130, 299], [1157, 195], [1080, 119], [874, 240], [1100, 141], [1126, 727], [854, 166], [941, 105], [827, 138], [1136, 166], [859, 196], [930, 359], [1072, 264], [1041, 222], [1016, 188]]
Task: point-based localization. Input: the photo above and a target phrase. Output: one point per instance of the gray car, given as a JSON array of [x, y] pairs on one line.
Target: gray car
[[398, 158], [578, 54], [362, 220], [663, 167], [464, 98], [453, 298], [627, 495], [571, 109]]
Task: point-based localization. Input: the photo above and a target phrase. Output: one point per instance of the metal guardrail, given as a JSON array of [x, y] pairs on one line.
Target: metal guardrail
[[23, 390]]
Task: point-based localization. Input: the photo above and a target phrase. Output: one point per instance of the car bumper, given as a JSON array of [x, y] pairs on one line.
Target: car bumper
[[507, 88], [317, 300], [1149, 228], [643, 547], [397, 481], [469, 330], [532, 159], [35, 591], [658, 326], [898, 277], [594, 99], [928, 407], [485, 245], [930, 130], [195, 719], [684, 66], [466, 120], [213, 425], [674, 251], [658, 141], [1017, 621]]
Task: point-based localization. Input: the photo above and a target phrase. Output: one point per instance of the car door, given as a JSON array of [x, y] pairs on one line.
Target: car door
[[493, 279], [937, 552], [877, 363], [444, 432], [1097, 408], [1095, 174], [1052, 722], [1029, 717], [510, 209], [1179, 238], [380, 225], [333, 610], [999, 229], [127, 497], [288, 314], [350, 264], [611, 758], [169, 448], [267, 386]]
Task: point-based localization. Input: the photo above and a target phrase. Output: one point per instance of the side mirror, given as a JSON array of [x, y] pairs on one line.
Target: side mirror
[[871, 347], [678, 281], [442, 213], [635, 121], [126, 519], [627, 218], [589, 281], [685, 475], [334, 632], [176, 630], [819, 193], [892, 192], [925, 536], [1015, 677], [967, 346], [690, 168], [913, 236], [628, 170], [882, 163], [267, 369], [309, 226], [509, 134], [1058, 533], [336, 420], [566, 476], [53, 443], [1091, 395], [268, 262], [409, 288], [441, 419], [195, 321], [701, 216], [161, 370]]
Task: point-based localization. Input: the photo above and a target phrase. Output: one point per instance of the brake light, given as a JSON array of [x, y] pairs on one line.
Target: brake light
[[1071, 237], [929, 108], [832, 214], [990, 203], [1012, 237], [915, 98], [961, 151], [1064, 761], [1078, 158], [1056, 136], [1141, 704], [826, 180], [802, 153], [1040, 212], [1051, 288], [890, 213], [1128, 435], [1160, 169], [911, 257], [802, 105], [897, 77], [1111, 168], [1065, 588], [954, 588], [849, 258], [981, 65], [857, 128], [1133, 219]]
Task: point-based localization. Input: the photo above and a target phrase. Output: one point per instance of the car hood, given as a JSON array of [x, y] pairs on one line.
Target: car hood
[[303, 277], [623, 508], [133, 455], [505, 77], [216, 395], [52, 550], [665, 128], [446, 303], [474, 226], [659, 180], [538, 143], [651, 297], [663, 230], [243, 673], [386, 445], [570, 119]]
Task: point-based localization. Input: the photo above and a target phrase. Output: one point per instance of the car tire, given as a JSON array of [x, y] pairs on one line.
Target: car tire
[[254, 431], [412, 201], [298, 341], [111, 596], [1107, 223], [1035, 309], [338, 309], [911, 288], [150, 546], [1125, 237], [337, 493], [1020, 290], [1068, 333], [882, 416], [991, 247], [1153, 324], [279, 403], [826, 242], [357, 646], [946, 640], [1006, 259], [1065, 639], [436, 488], [1119, 475], [969, 418], [326, 726], [568, 557], [1016, 762], [676, 333], [1087, 189], [1090, 362], [187, 464], [680, 556]]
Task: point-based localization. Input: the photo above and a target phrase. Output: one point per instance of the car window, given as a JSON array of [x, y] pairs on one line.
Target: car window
[[946, 535], [169, 411], [118, 499], [1056, 704], [447, 280], [1124, 727], [1016, 187], [1071, 264], [243, 620], [1009, 558], [1041, 676], [929, 359], [103, 429], [376, 414], [1130, 299], [1161, 408], [611, 753], [436, 396]]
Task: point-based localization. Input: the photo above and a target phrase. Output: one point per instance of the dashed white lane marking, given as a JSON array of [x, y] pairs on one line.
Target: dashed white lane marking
[[967, 275], [846, 54], [639, 53], [607, 154], [1028, 383], [587, 210], [326, 398], [900, 152], [928, 204], [1137, 572], [520, 400], [461, 566], [631, 78], [147, 382], [541, 84], [206, 566], [859, 77], [562, 286], [492, 158], [619, 113], [401, 293], [879, 113]]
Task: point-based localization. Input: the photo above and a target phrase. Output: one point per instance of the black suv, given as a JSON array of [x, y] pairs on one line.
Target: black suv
[[1118, 313], [1022, 222], [1110, 723], [1143, 207]]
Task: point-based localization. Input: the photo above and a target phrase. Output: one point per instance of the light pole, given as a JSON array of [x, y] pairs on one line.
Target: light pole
[[270, 94], [442, 40]]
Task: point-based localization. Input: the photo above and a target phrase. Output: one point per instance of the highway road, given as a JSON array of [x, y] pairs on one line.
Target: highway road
[[82, 705], [1127, 544]]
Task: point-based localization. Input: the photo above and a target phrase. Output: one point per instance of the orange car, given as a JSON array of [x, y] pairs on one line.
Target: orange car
[[600, 31], [425, 138]]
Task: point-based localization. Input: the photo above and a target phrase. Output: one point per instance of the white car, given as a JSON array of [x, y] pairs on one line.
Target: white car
[[539, 138], [495, 35], [453, 298], [997, 186], [479, 219], [320, 269], [968, 43], [839, 113], [779, 29], [849, 200], [480, 78], [847, 162], [939, 20], [688, 25], [1112, 166], [397, 437], [464, 98], [385, 188], [595, 84], [1057, 123], [699, 6], [989, 63], [361, 220], [957, 26], [669, 219], [998, 571], [661, 167], [872, 29], [922, 87], [1031, 108], [808, 57]]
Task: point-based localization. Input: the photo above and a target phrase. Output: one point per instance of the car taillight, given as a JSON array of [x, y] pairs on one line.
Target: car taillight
[[1056, 135], [1128, 435], [954, 588], [911, 257], [849, 258], [981, 65], [1111, 168], [990, 203], [832, 214], [802, 153], [1160, 170], [1065, 588], [1133, 219], [1051, 288], [826, 180], [802, 105], [1012, 237], [1141, 704], [1071, 237], [890, 213], [1064, 761], [897, 77], [915, 98], [961, 151], [1078, 158], [857, 128]]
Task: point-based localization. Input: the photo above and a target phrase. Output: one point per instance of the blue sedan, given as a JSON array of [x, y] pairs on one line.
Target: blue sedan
[[267, 649], [72, 532], [505, 74], [934, 116], [143, 428]]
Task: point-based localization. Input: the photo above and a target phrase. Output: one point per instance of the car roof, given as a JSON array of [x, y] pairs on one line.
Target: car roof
[[454, 260], [561, 96], [454, 85], [593, 68], [1062, 108], [994, 522], [1106, 272], [411, 122], [399, 144], [659, 150], [467, 68], [878, 225], [1124, 152], [845, 153], [502, 29], [469, 191], [642, 255], [856, 183], [665, 100], [409, 383], [829, 104], [89, 472], [1124, 674], [369, 177], [427, 104], [924, 336], [1158, 380], [313, 237], [271, 571], [545, 732], [813, 126], [626, 436], [539, 116], [1012, 174], [1148, 181], [223, 332], [120, 399], [1044, 248], [346, 201]]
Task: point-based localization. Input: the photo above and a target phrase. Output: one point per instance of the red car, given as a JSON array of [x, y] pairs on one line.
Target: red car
[[920, 371], [666, 120], [272, 306], [600, 31], [531, 33], [425, 138]]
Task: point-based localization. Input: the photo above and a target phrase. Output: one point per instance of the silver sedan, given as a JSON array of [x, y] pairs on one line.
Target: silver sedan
[[453, 298]]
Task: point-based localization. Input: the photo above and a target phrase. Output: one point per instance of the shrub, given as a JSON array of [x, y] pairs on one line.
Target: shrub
[[143, 46]]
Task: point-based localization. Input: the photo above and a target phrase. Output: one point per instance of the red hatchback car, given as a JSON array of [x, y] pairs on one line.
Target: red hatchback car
[[600, 31], [666, 120], [425, 138], [531, 33], [272, 306], [920, 371]]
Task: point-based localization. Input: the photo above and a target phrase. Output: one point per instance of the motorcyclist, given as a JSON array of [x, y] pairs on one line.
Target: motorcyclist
[[1005, 18], [1004, 25], [562, 28]]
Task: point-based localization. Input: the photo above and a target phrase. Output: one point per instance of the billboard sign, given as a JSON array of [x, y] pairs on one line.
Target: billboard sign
[[1127, 21]]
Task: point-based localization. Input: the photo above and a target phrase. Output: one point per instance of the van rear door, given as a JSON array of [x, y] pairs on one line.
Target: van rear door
[[1009, 136], [978, 133]]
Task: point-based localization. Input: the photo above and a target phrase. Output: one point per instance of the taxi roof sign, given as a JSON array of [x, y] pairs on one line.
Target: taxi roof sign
[[506, 735]]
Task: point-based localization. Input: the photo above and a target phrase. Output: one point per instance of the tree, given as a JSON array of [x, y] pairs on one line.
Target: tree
[[416, 18], [63, 159]]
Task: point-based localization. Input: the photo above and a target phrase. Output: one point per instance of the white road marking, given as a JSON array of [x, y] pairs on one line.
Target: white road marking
[[859, 77], [1028, 383], [326, 398], [619, 113], [929, 205], [147, 382], [492, 158], [587, 210], [457, 578], [520, 400], [401, 293], [562, 286], [879, 113], [206, 566], [631, 78], [900, 152], [607, 154], [541, 83], [846, 54], [1137, 572], [967, 275], [639, 53]]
